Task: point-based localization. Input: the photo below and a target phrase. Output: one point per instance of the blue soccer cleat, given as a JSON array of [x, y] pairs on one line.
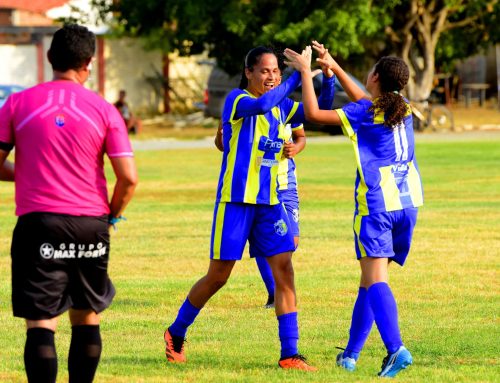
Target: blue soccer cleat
[[395, 362], [347, 363]]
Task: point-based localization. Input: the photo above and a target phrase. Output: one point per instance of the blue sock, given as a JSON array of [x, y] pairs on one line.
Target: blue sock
[[185, 318], [266, 274], [361, 324], [288, 329], [385, 311]]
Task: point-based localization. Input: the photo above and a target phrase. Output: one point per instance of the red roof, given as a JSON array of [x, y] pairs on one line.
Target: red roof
[[37, 6]]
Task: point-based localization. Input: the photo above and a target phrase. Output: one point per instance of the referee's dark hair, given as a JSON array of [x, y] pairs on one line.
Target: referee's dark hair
[[252, 58], [72, 47], [393, 74]]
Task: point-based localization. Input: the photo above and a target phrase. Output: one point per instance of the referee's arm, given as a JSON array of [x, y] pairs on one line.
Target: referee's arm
[[126, 181], [6, 167]]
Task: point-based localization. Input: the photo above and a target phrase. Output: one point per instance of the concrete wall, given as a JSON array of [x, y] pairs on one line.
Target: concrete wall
[[127, 65], [18, 65]]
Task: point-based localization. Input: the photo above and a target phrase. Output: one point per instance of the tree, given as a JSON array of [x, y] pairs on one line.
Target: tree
[[421, 29], [358, 30], [361, 30]]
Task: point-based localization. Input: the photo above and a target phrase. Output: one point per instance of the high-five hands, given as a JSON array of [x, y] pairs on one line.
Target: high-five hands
[[322, 56], [325, 59], [299, 62]]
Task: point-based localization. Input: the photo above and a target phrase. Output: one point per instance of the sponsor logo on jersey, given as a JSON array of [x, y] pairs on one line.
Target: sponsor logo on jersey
[[60, 120], [280, 227], [268, 145], [72, 251]]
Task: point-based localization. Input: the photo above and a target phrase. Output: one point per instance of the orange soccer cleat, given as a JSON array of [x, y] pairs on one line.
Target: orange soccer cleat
[[174, 348], [296, 362]]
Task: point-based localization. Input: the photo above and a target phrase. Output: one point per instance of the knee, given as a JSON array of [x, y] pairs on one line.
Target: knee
[[217, 281], [285, 271]]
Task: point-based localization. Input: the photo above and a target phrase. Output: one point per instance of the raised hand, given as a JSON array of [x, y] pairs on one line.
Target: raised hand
[[328, 64], [300, 62]]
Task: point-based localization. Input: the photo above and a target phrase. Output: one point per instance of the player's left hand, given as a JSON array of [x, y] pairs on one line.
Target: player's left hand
[[290, 150]]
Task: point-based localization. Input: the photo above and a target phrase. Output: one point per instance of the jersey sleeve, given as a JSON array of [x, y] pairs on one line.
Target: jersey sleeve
[[250, 106], [117, 141], [6, 127], [351, 116], [325, 99]]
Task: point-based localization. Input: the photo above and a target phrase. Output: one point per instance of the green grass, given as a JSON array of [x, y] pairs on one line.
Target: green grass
[[448, 293]]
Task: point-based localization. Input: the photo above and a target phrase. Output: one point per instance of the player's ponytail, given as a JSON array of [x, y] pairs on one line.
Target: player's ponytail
[[393, 75], [252, 58]]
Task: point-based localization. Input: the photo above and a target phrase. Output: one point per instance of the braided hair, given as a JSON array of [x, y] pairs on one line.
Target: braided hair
[[253, 57], [393, 76]]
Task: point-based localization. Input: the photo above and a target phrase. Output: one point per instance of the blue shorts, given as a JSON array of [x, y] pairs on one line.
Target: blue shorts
[[266, 227], [385, 235], [290, 198]]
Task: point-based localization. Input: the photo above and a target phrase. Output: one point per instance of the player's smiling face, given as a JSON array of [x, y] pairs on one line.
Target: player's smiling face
[[265, 75]]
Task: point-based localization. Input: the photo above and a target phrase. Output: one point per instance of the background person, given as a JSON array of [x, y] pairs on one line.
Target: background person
[[60, 245], [388, 192], [134, 125]]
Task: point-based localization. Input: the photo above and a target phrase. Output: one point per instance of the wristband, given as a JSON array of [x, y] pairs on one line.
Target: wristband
[[114, 220]]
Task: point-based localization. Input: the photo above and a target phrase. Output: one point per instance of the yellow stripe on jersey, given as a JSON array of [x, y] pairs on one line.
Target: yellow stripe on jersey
[[292, 112], [283, 174], [346, 125], [357, 230], [390, 189], [231, 157], [415, 185], [298, 127], [253, 177], [219, 226], [362, 188]]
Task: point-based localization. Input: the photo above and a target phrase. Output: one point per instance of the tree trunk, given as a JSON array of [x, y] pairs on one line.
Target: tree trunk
[[166, 84], [421, 34]]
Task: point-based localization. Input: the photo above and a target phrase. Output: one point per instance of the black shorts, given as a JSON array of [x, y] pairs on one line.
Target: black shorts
[[60, 262]]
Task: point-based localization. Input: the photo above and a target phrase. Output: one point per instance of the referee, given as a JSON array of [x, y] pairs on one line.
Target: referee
[[60, 245]]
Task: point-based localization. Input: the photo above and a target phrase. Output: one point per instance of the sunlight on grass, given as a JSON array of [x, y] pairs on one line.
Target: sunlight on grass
[[447, 293]]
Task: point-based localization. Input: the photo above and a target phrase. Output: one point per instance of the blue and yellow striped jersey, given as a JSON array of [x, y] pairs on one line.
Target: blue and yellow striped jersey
[[387, 178], [253, 147]]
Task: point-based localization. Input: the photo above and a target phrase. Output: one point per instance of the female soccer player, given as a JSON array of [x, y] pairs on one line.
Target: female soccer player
[[295, 142], [247, 206], [388, 191]]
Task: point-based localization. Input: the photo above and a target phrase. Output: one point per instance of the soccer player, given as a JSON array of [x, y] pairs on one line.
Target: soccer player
[[60, 245], [247, 205], [388, 192], [295, 142]]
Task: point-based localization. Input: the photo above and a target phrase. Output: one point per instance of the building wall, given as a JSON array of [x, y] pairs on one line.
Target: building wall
[[130, 67], [127, 65], [18, 65]]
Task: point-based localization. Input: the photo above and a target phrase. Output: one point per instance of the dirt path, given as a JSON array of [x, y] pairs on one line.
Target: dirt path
[[171, 144]]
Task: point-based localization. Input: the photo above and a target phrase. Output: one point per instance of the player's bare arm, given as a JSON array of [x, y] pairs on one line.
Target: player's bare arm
[[311, 108], [325, 59]]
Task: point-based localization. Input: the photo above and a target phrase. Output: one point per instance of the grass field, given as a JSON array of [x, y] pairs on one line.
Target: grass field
[[448, 293]]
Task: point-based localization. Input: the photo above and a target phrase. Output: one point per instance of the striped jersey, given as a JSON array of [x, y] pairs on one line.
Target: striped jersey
[[253, 145], [387, 176]]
